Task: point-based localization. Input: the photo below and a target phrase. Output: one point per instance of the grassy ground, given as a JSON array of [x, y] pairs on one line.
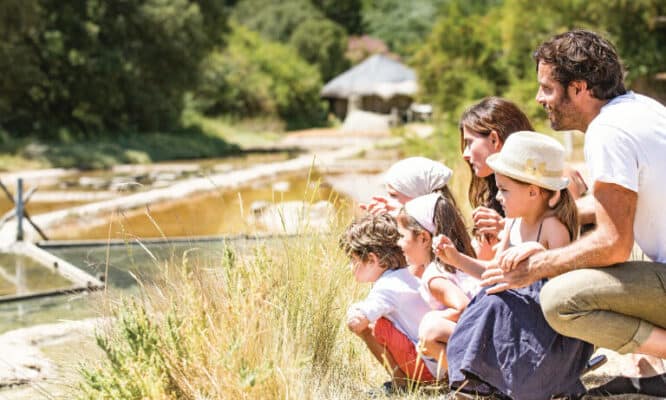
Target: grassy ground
[[248, 134], [266, 326], [203, 138], [269, 326]]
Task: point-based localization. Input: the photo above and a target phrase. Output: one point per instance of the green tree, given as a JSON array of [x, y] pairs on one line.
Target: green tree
[[298, 23], [401, 24], [275, 20], [346, 13], [453, 70], [253, 76], [90, 66], [323, 43]]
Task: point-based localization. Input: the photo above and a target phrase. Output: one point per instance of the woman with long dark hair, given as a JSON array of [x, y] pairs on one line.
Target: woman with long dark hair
[[484, 127], [502, 344]]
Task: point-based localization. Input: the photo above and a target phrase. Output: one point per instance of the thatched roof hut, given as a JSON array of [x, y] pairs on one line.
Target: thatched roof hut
[[379, 84]]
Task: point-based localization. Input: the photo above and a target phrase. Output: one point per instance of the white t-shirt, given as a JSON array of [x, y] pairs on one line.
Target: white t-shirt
[[626, 145], [395, 296]]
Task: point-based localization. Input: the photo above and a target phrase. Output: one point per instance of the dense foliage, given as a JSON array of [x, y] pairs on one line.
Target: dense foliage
[[254, 77], [348, 13], [83, 67], [403, 25], [322, 43], [485, 49], [303, 25]]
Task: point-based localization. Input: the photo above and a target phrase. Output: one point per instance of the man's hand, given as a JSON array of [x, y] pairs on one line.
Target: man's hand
[[500, 280]]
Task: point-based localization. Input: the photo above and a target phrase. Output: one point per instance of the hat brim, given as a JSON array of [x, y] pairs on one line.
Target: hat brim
[[495, 163]]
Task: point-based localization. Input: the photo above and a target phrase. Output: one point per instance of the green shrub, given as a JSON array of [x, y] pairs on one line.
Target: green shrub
[[253, 77]]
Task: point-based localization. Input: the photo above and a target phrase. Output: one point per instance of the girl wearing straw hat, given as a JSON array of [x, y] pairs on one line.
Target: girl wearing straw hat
[[484, 128], [502, 343]]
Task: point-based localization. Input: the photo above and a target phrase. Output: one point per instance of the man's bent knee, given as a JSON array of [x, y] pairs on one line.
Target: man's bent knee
[[559, 304], [573, 306]]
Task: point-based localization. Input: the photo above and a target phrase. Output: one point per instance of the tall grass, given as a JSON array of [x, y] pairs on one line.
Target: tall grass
[[259, 326], [263, 325]]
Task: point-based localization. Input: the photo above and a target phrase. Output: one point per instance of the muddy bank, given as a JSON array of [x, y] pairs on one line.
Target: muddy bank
[[24, 362]]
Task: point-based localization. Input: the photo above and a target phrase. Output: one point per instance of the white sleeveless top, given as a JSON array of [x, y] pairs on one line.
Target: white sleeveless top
[[468, 284]]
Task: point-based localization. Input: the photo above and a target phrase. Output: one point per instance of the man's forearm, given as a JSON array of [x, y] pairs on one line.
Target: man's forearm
[[590, 251], [609, 243]]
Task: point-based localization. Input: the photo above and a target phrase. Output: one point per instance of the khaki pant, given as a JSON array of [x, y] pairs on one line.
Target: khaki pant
[[613, 307]]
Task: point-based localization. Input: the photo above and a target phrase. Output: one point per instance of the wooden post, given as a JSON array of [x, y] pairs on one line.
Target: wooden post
[[12, 213], [56, 264], [19, 210]]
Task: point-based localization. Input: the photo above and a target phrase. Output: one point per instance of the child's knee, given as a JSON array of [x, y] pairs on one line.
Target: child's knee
[[432, 329], [358, 330], [429, 342]]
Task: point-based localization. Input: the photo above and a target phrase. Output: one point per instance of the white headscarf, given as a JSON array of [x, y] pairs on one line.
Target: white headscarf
[[422, 209], [417, 176]]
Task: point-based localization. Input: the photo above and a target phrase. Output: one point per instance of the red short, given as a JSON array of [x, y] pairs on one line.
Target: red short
[[402, 350]]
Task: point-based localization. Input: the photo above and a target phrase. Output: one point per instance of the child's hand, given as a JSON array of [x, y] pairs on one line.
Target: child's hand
[[380, 205], [487, 222], [485, 246], [445, 250], [512, 256], [356, 320]]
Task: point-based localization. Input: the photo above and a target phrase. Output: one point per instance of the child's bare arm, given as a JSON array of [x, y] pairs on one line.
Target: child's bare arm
[[447, 253], [449, 294]]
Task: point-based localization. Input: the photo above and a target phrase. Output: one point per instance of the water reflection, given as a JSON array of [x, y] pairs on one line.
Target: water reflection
[[123, 265], [211, 213], [22, 275]]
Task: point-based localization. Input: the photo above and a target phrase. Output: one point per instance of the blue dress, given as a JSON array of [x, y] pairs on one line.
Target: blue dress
[[502, 343]]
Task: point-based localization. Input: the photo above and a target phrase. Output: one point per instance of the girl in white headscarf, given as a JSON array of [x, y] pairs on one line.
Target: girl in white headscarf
[[408, 179]]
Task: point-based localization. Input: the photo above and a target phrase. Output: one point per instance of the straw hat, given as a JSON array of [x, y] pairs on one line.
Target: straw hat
[[532, 158]]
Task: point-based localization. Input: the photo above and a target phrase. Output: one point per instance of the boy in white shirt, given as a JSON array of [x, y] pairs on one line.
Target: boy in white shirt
[[388, 318]]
